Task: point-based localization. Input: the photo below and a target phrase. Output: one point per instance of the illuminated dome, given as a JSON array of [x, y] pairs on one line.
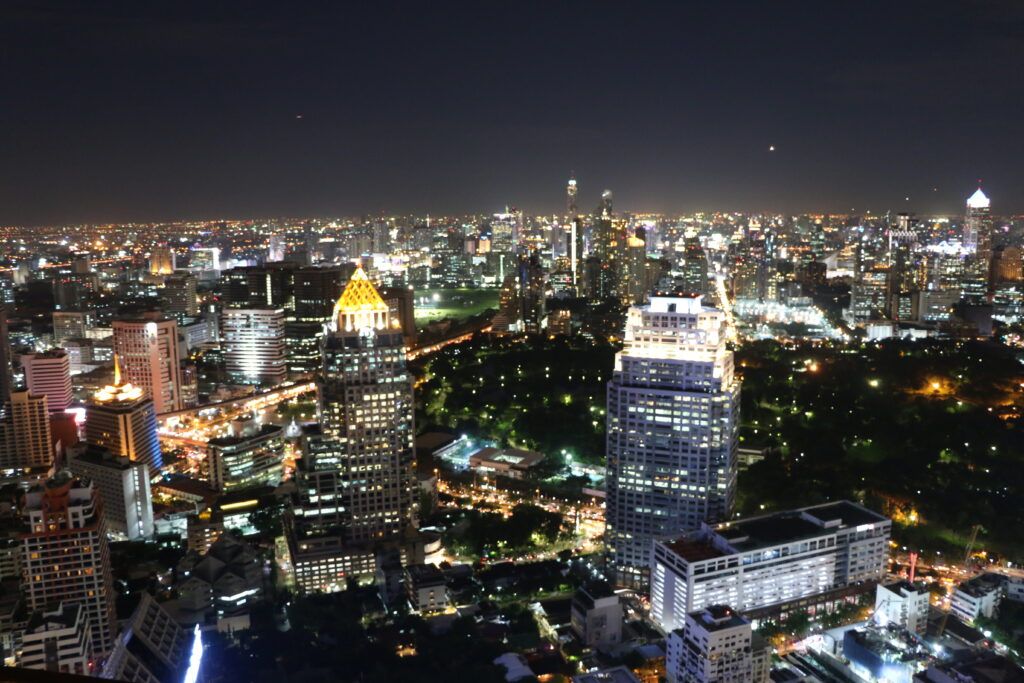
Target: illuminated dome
[[978, 200], [361, 306]]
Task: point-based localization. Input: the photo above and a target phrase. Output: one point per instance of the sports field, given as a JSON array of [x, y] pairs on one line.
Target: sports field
[[435, 304]]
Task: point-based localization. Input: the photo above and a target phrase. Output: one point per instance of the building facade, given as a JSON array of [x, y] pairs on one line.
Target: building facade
[[254, 345], [149, 356], [123, 486], [253, 456], [121, 418], [716, 645], [769, 561], [25, 432], [65, 555], [672, 417], [49, 374]]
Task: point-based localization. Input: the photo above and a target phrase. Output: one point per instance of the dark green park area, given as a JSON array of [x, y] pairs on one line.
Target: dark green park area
[[929, 433]]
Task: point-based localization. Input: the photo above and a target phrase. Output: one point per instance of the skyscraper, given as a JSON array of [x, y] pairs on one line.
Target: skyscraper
[[254, 345], [123, 486], [72, 325], [49, 374], [25, 432], [65, 555], [5, 357], [977, 228], [316, 292], [148, 350], [121, 418], [180, 296], [672, 418], [161, 261], [571, 192], [606, 263], [356, 478]]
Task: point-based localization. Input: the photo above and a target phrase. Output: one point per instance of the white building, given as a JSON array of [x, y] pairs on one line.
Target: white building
[[253, 340], [902, 604], [672, 419], [716, 645], [597, 616], [978, 597], [252, 456], [124, 489], [65, 555], [57, 639], [426, 588], [768, 561], [49, 374], [149, 356]]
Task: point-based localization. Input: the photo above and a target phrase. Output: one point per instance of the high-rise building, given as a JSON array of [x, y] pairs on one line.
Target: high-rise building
[[694, 268], [153, 648], [357, 481], [716, 645], [254, 345], [270, 285], [72, 325], [180, 296], [121, 418], [5, 357], [606, 261], [57, 639], [251, 456], [25, 432], [123, 486], [672, 418], [162, 261], [65, 555], [275, 248], [1007, 265], [316, 292], [148, 351], [633, 271], [813, 556], [977, 233], [571, 192], [49, 374]]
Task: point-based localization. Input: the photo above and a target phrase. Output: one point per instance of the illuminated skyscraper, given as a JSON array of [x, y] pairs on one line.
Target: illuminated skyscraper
[[356, 480], [121, 418], [571, 192], [977, 225], [605, 268], [148, 351], [65, 555], [253, 345], [5, 357], [672, 417]]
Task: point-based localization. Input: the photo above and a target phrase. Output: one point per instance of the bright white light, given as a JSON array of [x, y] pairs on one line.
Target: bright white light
[[195, 658]]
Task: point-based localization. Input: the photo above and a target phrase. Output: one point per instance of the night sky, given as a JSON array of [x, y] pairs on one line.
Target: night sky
[[135, 111]]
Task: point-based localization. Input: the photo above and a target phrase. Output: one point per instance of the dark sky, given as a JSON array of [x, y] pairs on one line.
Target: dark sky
[[149, 111]]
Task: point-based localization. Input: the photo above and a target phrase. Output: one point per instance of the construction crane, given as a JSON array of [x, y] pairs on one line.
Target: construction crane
[[967, 558]]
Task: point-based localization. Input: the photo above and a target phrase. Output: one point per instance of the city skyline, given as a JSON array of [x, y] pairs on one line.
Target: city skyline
[[166, 116]]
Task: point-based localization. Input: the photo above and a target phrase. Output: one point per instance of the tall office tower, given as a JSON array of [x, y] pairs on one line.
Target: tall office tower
[[673, 405], [72, 325], [977, 234], [25, 432], [65, 555], [606, 269], [152, 647], [180, 296], [259, 286], [381, 237], [716, 645], [575, 252], [275, 249], [254, 345], [694, 268], [49, 374], [123, 486], [316, 292], [633, 273], [148, 352], [1007, 265], [252, 455], [121, 418], [5, 357], [571, 192], [531, 292], [162, 261], [356, 477]]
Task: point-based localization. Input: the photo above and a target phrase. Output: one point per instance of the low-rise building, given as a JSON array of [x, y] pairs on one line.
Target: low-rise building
[[903, 604], [151, 647], [597, 616], [978, 597], [124, 489], [507, 462], [425, 585], [221, 585], [252, 456]]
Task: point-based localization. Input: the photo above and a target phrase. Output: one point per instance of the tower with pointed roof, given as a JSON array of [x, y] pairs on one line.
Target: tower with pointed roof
[[356, 476], [977, 228], [121, 418]]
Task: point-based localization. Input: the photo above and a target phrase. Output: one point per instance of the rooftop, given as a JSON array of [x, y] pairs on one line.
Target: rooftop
[[719, 617]]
